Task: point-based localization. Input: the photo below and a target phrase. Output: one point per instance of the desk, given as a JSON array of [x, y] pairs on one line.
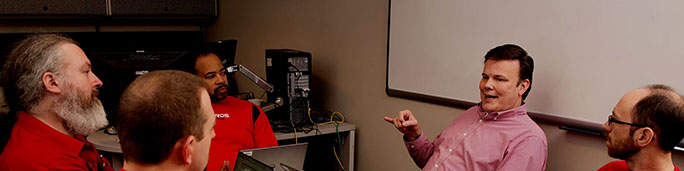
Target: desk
[[110, 143], [349, 140]]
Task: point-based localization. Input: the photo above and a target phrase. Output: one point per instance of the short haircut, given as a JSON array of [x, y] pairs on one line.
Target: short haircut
[[25, 65], [188, 60], [155, 111], [514, 52], [662, 111]]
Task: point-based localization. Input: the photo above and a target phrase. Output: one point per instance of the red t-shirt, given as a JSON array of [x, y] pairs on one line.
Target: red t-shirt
[[621, 165], [36, 146], [240, 125]]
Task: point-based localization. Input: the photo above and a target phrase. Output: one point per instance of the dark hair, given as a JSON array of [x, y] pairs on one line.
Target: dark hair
[[157, 110], [188, 60], [514, 52], [662, 111]]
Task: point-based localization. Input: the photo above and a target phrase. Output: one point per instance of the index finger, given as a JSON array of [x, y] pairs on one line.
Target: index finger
[[388, 119]]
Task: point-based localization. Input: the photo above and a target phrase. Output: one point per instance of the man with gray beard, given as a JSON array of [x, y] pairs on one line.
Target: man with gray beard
[[53, 93]]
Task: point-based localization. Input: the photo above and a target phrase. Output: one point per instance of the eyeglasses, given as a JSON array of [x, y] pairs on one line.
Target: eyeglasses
[[611, 119]]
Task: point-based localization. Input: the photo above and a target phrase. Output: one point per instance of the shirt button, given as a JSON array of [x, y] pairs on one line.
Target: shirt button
[[436, 166], [412, 146], [480, 120], [464, 134], [450, 150]]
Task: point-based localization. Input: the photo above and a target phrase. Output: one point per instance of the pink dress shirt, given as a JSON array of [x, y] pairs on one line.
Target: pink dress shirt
[[478, 140]]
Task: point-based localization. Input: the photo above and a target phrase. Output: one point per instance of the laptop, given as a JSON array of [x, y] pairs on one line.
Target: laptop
[[246, 163], [281, 158]]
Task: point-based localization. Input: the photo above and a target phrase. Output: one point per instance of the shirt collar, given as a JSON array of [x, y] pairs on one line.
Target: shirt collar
[[520, 110], [37, 127]]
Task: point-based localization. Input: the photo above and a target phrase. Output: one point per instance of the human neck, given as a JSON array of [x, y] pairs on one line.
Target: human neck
[[165, 165], [651, 159], [45, 114]]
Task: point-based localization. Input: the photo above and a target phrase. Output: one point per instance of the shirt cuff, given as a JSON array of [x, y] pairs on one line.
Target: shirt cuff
[[417, 141]]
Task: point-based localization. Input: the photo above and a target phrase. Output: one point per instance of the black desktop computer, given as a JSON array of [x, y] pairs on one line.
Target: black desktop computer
[[290, 73]]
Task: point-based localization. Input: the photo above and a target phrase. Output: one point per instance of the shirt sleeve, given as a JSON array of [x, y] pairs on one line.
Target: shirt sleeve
[[263, 134], [420, 150], [528, 154]]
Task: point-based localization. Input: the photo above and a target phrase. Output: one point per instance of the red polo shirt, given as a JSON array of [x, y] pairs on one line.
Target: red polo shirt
[[36, 146]]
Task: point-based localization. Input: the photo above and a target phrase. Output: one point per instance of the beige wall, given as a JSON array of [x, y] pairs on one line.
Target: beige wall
[[348, 41]]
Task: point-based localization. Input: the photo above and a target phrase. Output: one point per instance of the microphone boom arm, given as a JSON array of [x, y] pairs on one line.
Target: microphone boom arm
[[249, 74]]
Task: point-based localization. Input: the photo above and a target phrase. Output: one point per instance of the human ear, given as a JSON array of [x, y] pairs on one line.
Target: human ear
[[50, 82], [187, 150], [524, 85], [644, 136]]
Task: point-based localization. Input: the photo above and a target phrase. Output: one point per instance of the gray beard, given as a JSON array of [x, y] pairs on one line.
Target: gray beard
[[81, 115]]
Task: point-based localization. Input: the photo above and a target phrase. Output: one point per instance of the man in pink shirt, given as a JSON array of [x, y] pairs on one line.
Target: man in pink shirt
[[496, 134], [644, 128]]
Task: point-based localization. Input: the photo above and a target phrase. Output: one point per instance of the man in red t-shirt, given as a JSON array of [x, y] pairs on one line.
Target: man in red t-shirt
[[50, 86], [644, 128], [240, 124]]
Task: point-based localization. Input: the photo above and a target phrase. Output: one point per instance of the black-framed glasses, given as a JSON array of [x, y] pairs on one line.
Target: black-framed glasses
[[611, 119]]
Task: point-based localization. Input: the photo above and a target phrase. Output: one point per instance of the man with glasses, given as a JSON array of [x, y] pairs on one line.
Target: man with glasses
[[644, 128]]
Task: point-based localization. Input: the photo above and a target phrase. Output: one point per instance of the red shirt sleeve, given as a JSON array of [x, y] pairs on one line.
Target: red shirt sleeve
[[263, 134]]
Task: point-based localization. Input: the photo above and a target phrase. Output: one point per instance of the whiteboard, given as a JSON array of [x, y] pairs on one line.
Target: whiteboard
[[587, 53]]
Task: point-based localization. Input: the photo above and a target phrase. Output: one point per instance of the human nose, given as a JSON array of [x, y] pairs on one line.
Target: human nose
[[487, 84], [97, 82], [221, 80], [606, 126]]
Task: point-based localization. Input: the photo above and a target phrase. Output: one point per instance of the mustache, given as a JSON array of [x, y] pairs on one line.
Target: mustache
[[220, 86], [95, 93]]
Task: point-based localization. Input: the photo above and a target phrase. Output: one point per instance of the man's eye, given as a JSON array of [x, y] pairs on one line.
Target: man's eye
[[209, 77]]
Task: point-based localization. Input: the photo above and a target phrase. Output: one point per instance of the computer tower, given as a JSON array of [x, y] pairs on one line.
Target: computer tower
[[290, 73]]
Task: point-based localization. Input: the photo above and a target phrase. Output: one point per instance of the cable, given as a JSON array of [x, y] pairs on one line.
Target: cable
[[339, 141], [335, 118], [295, 132], [338, 159], [262, 95], [308, 112]]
